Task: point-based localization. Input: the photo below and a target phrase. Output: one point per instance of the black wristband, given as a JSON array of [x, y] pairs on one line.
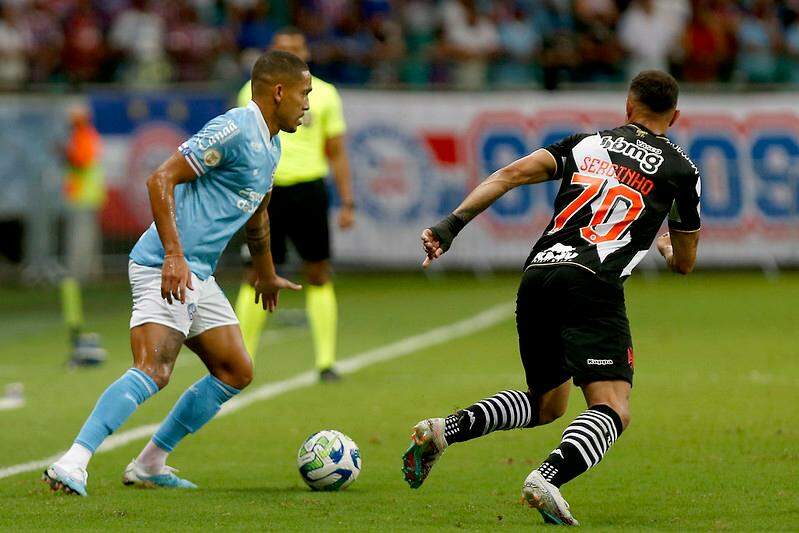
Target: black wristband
[[447, 229]]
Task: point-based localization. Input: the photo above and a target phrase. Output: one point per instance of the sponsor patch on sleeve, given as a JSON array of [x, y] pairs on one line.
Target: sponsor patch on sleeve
[[211, 157]]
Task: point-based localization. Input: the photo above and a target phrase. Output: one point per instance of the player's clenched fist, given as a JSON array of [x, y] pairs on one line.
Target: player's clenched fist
[[175, 278], [431, 246], [438, 238]]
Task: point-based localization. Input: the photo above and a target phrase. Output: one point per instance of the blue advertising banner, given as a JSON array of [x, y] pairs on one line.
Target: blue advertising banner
[[416, 155]]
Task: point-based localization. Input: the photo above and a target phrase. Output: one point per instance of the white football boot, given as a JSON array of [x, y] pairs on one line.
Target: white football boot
[[70, 480], [544, 496]]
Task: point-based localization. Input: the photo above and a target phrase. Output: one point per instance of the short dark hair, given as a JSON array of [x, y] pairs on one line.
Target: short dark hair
[[275, 67], [655, 89]]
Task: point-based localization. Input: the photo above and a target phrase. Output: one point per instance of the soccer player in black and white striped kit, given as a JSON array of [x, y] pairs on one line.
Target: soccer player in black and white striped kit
[[617, 187]]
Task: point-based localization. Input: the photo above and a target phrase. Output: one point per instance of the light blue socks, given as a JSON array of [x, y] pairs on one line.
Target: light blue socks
[[193, 410], [116, 404]]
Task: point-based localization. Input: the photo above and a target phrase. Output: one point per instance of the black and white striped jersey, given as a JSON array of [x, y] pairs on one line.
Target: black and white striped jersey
[[616, 188]]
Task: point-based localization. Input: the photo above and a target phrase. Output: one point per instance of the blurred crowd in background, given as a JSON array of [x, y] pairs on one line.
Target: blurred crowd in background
[[458, 43]]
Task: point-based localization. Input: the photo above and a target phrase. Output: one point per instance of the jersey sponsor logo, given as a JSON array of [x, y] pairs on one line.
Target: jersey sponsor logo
[[249, 200], [555, 254], [647, 147], [680, 151], [649, 162], [600, 362], [212, 157], [222, 136]]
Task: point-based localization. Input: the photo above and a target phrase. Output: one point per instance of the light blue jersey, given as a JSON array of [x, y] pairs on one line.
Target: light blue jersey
[[235, 160]]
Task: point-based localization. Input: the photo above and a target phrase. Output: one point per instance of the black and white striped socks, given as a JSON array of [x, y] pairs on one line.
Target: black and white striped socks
[[505, 410], [585, 441]]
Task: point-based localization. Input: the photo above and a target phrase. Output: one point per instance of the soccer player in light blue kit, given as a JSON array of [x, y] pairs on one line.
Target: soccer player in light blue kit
[[218, 180]]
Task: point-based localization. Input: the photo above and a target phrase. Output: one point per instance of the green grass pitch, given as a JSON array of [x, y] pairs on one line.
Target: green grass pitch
[[713, 444]]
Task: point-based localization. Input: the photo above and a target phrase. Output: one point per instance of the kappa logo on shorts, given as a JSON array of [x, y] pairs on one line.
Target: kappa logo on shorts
[[600, 362], [630, 357], [555, 254], [191, 309]]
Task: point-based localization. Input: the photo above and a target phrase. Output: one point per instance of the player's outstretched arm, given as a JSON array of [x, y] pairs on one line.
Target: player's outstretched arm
[[534, 168], [175, 273], [678, 248], [267, 283]]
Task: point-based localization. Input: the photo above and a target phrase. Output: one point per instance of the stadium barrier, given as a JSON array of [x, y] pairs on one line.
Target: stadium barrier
[[415, 155]]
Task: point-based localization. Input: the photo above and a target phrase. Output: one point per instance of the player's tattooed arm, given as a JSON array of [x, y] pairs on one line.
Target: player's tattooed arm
[[257, 231], [258, 241], [267, 283], [175, 272], [534, 168]]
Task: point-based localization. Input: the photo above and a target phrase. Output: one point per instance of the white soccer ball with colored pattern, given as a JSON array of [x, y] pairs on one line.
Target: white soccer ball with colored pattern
[[329, 460]]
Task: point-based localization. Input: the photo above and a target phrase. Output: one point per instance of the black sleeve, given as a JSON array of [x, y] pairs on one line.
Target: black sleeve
[[562, 150], [684, 215]]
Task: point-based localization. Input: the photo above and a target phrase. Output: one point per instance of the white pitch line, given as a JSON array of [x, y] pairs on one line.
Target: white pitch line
[[406, 346]]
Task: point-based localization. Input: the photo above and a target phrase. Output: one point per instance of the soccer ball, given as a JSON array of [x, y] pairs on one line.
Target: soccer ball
[[329, 460]]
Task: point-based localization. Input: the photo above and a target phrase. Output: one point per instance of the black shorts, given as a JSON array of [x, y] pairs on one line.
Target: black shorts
[[299, 213], [571, 324]]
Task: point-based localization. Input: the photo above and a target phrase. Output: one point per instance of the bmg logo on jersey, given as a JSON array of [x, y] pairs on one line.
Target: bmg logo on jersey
[[249, 200], [648, 160]]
